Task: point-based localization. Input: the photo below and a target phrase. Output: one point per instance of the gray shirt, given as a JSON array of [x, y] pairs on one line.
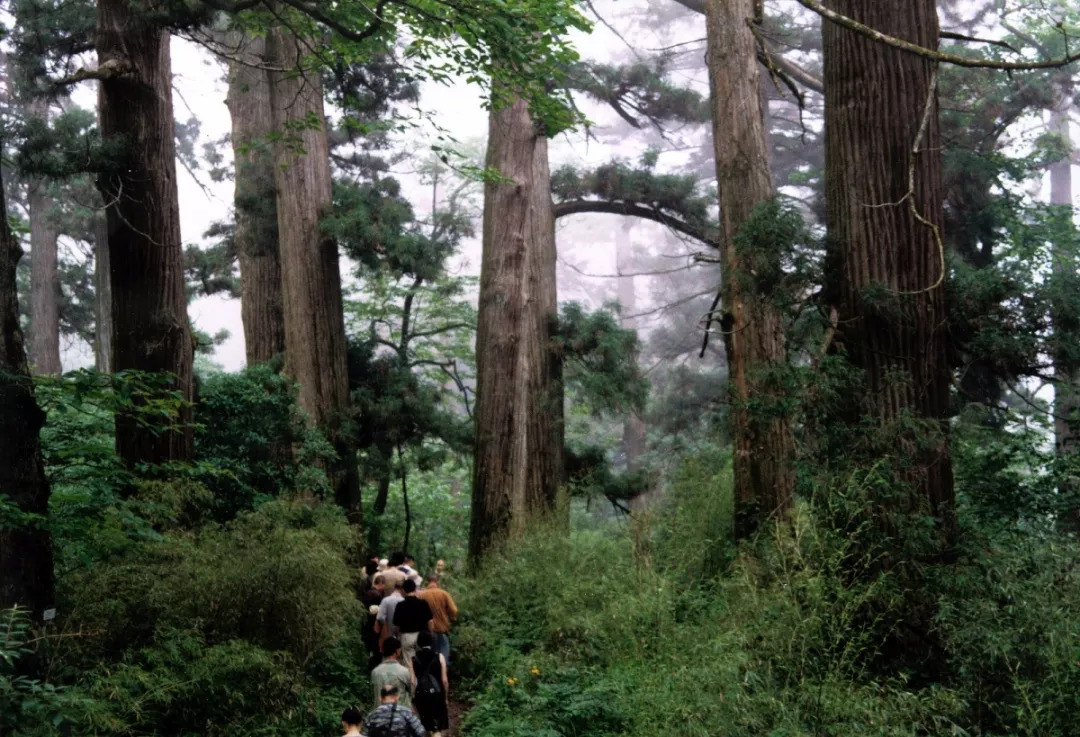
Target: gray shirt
[[393, 673], [386, 611]]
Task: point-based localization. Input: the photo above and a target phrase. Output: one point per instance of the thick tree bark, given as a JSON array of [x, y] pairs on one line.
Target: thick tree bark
[[315, 347], [149, 304], [44, 283], [255, 200], [518, 462], [885, 244], [26, 566], [103, 322], [753, 327]]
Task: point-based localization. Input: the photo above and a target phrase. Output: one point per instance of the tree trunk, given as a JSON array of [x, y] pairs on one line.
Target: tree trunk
[[255, 200], [753, 327], [633, 434], [1066, 365], [517, 465], [26, 566], [885, 247], [311, 281], [149, 303], [103, 323], [44, 283]]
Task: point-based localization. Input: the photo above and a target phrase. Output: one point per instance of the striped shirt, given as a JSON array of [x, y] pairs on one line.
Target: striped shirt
[[392, 720]]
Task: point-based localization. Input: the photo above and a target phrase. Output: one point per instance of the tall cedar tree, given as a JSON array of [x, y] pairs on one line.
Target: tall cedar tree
[[518, 464], [149, 304], [103, 320], [26, 566], [753, 326], [885, 241], [315, 346], [1066, 368], [44, 281], [255, 200]]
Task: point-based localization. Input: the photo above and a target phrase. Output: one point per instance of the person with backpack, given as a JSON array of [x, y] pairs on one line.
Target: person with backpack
[[431, 690], [391, 719]]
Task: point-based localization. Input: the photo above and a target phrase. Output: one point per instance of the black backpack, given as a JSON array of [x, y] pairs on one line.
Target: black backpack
[[429, 683]]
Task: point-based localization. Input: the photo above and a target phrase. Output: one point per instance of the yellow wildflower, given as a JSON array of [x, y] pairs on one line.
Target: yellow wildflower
[[534, 670], [511, 681]]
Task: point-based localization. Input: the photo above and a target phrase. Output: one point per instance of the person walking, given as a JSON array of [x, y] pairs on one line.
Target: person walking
[[443, 613], [351, 720], [384, 620], [391, 718], [431, 686], [392, 673], [411, 617], [393, 572], [408, 567], [372, 600]]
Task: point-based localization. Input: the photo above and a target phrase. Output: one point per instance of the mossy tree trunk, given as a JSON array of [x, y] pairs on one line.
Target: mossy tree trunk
[[44, 282], [315, 347], [26, 565], [518, 461], [255, 200], [885, 247], [149, 303], [752, 325]]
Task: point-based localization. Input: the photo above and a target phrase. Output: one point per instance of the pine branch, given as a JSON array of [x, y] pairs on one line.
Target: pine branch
[[633, 209]]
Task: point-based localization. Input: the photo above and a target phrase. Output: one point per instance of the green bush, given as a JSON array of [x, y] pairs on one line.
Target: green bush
[[247, 428], [789, 635]]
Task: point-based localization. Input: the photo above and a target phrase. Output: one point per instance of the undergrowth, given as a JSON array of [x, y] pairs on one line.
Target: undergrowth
[[591, 637]]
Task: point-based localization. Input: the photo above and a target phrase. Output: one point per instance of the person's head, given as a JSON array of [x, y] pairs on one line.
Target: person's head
[[373, 556], [391, 647], [379, 582], [388, 694], [384, 564], [409, 587], [424, 639], [409, 560], [440, 565], [397, 558], [371, 567], [432, 580], [351, 717]]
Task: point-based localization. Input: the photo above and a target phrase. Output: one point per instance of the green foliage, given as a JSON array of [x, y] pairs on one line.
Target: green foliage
[[28, 707], [678, 196], [674, 635], [640, 93], [778, 256], [600, 359], [248, 425]]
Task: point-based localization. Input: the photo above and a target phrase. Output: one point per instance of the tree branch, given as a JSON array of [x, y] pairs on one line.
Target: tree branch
[[633, 209], [697, 6], [939, 56], [110, 69]]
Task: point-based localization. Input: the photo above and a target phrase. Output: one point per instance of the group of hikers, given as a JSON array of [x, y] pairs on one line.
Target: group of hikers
[[407, 636]]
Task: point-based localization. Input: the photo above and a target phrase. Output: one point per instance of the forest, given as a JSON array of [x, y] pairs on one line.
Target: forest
[[725, 352]]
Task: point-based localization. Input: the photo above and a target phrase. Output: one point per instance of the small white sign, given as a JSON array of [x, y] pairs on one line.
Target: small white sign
[[49, 615]]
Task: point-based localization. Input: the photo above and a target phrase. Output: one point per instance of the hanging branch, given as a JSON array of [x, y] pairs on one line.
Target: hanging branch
[[938, 56]]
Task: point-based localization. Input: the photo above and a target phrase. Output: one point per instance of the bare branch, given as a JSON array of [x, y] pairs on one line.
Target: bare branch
[[932, 54]]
